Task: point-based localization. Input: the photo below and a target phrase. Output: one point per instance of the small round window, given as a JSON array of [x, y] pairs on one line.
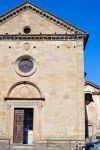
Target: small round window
[[25, 65], [27, 30]]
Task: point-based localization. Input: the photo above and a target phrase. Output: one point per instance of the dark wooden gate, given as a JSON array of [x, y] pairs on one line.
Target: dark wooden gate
[[18, 125]]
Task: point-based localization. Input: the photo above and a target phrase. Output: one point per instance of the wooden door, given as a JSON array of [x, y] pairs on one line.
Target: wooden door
[[18, 125]]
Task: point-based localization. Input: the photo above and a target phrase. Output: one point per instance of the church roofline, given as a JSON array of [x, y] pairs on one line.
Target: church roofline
[[45, 14], [28, 4], [92, 84]]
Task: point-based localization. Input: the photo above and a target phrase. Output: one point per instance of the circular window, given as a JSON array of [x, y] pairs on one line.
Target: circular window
[[27, 30], [25, 65]]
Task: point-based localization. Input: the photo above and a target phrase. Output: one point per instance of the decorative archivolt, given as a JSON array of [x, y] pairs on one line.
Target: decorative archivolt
[[24, 90]]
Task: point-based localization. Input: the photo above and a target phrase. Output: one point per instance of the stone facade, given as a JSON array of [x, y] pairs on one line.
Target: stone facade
[[93, 109], [55, 89]]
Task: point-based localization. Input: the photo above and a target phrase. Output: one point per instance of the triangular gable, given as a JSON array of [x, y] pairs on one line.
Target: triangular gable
[[50, 17]]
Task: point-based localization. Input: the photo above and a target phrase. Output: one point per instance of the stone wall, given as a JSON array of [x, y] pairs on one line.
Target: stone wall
[[59, 75]]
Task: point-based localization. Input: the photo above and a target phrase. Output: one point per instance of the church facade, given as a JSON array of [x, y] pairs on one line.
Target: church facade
[[42, 77]]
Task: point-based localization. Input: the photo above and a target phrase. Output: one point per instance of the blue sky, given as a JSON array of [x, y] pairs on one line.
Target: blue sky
[[84, 14]]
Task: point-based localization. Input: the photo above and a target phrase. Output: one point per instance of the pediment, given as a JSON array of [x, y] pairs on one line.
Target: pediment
[[40, 21]]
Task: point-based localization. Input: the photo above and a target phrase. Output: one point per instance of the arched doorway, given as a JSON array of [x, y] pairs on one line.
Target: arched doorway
[[24, 97]]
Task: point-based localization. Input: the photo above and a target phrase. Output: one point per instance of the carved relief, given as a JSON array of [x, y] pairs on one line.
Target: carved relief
[[24, 89], [26, 46], [69, 45]]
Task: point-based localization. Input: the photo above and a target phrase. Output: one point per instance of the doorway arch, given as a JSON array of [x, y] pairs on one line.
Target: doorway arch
[[24, 98]]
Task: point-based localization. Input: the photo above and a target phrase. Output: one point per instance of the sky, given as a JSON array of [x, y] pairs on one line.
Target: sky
[[84, 14]]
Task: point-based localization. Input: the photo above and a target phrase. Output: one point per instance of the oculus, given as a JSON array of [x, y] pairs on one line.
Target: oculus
[[27, 30], [25, 65]]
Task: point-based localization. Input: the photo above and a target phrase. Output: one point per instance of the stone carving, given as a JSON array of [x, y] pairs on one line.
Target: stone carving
[[24, 91], [2, 134], [26, 46], [69, 45]]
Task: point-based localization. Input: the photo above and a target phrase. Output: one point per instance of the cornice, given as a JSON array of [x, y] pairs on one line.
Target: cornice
[[41, 37], [23, 99], [50, 17]]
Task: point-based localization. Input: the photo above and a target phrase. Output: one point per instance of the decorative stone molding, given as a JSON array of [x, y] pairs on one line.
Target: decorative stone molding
[[25, 83], [32, 62], [26, 46], [3, 135], [24, 103], [49, 37], [23, 99], [45, 37]]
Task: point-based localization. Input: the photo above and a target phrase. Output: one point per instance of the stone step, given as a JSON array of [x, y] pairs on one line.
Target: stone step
[[37, 147], [28, 147]]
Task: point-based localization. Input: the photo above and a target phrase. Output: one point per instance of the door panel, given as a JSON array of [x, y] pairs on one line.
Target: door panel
[[18, 125]]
